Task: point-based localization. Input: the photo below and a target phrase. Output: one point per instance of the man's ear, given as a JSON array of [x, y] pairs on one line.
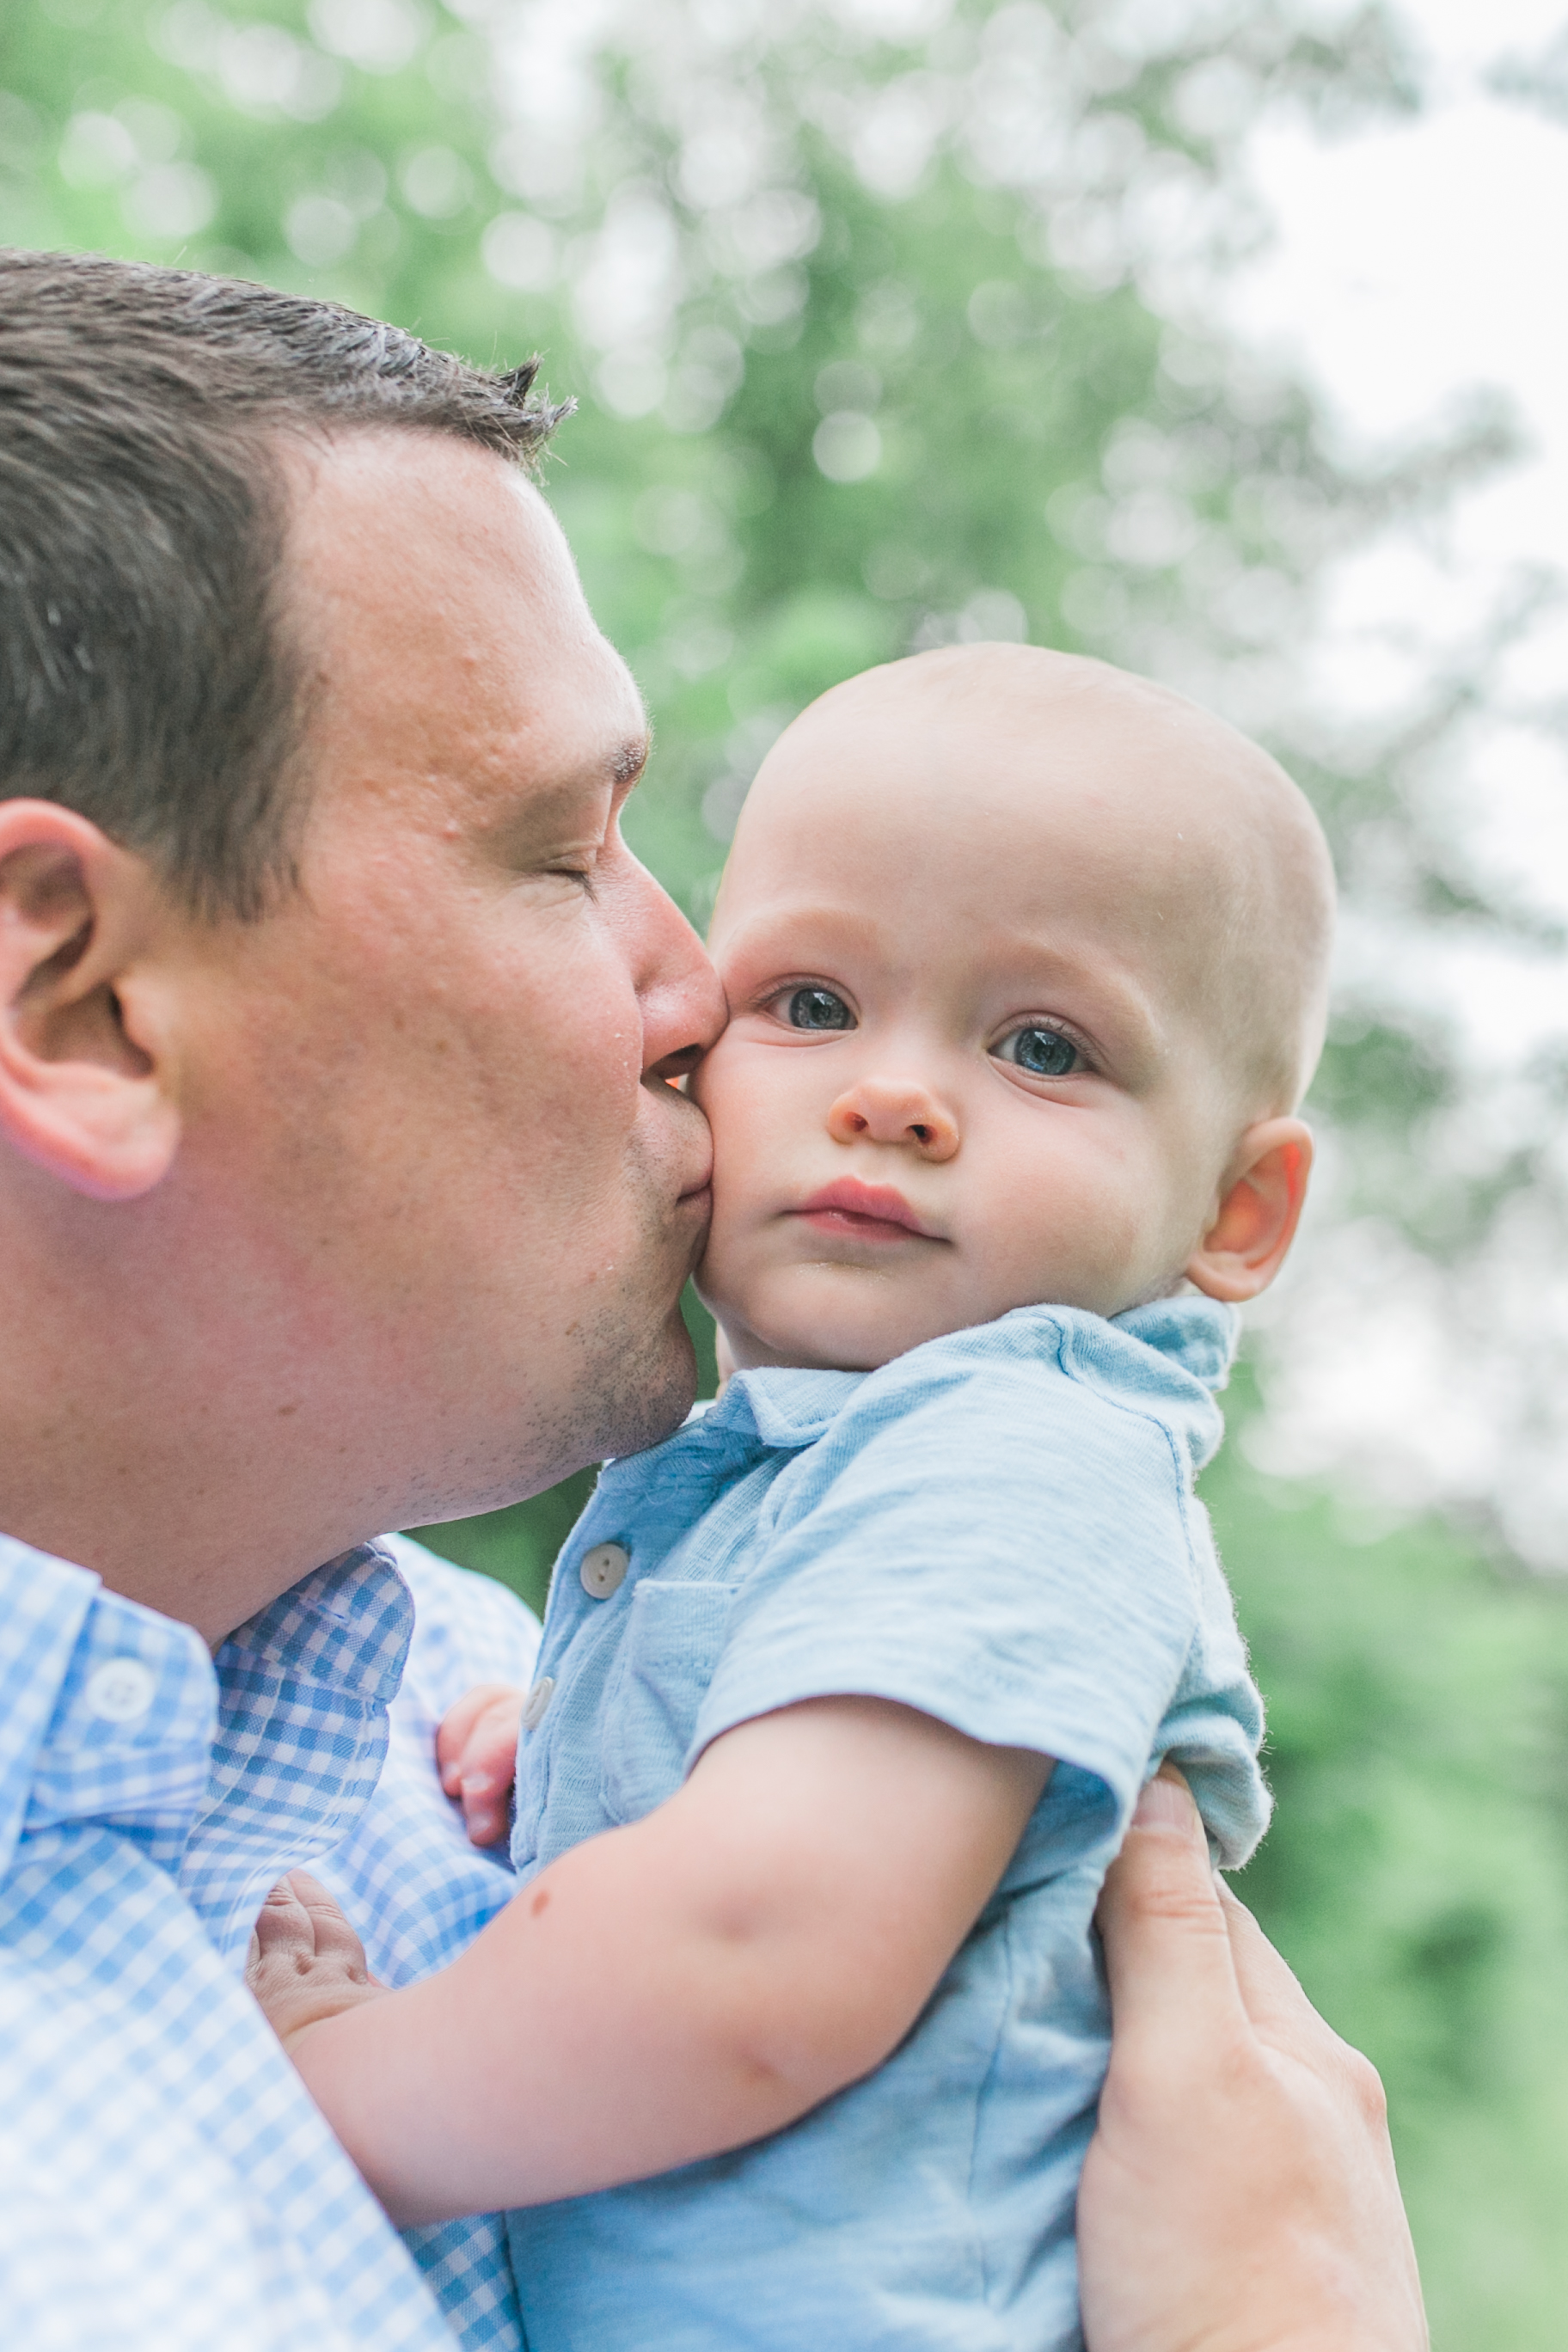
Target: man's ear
[[1259, 1208], [81, 1093]]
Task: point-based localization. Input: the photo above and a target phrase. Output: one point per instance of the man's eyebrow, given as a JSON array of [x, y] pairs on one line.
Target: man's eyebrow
[[628, 760]]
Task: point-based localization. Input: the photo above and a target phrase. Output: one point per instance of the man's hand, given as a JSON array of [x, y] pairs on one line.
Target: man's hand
[[1240, 2195], [476, 1754], [306, 1962]]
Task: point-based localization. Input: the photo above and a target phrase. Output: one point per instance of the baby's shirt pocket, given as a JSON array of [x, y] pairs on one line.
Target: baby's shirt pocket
[[667, 1656]]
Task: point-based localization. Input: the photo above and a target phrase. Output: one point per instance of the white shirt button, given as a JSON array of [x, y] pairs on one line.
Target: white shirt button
[[121, 1690], [604, 1570], [537, 1702]]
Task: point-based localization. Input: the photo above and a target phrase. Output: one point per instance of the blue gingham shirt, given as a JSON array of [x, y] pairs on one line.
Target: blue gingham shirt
[[165, 2184]]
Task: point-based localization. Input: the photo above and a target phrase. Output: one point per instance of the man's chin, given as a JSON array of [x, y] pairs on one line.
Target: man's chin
[[644, 1395], [631, 1388]]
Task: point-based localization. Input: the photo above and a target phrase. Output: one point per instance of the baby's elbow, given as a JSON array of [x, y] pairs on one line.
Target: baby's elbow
[[803, 1998], [804, 2033]]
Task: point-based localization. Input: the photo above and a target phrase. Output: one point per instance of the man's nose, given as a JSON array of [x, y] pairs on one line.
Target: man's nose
[[683, 1008], [895, 1111]]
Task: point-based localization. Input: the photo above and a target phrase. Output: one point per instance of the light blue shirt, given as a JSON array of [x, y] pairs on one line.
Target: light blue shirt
[[998, 1528], [165, 2184]]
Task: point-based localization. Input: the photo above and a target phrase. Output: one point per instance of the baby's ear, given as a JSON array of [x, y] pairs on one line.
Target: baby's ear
[[1259, 1208]]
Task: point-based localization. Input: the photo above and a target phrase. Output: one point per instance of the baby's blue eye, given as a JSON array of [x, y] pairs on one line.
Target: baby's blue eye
[[1043, 1052], [817, 1008]]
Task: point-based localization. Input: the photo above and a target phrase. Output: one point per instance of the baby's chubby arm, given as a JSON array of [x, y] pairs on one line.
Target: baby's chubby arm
[[672, 1988]]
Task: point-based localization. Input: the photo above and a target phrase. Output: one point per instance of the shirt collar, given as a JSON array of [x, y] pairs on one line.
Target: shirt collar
[[1199, 1334], [345, 1628], [226, 1771], [303, 1691], [784, 1406], [781, 1404], [99, 1699]]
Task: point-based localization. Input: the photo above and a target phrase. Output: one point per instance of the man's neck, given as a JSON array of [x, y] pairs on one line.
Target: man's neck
[[148, 1432]]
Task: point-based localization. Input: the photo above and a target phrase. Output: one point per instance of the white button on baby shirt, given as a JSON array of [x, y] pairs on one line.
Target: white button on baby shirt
[[535, 1703], [120, 1690], [604, 1570]]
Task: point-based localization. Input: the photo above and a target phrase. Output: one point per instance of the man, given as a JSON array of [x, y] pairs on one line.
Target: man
[[340, 1188]]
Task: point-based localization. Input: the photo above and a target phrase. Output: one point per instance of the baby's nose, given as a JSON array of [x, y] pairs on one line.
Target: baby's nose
[[894, 1111]]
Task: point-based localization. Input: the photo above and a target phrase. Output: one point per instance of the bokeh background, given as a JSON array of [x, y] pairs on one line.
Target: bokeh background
[[1224, 337]]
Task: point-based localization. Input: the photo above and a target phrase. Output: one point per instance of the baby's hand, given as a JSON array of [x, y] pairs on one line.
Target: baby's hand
[[475, 1749], [306, 1962]]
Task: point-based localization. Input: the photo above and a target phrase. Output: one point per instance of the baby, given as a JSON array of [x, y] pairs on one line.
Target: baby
[[849, 1687]]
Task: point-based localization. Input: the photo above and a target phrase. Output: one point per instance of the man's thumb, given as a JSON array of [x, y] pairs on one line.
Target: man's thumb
[[1167, 1948]]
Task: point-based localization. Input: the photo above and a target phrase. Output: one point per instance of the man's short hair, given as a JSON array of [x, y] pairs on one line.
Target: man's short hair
[[147, 679]]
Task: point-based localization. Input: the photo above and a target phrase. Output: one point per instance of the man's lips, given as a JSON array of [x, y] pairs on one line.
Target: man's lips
[[872, 1213]]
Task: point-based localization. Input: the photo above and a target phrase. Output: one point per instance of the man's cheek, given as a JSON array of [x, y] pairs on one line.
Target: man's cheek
[[579, 1075]]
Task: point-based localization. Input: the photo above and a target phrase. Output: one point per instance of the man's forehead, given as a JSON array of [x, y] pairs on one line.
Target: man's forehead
[[443, 617], [424, 542]]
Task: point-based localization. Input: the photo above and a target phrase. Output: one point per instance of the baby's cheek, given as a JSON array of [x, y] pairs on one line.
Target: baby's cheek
[[1140, 1243], [719, 1082], [752, 1132], [720, 1275], [1066, 1228]]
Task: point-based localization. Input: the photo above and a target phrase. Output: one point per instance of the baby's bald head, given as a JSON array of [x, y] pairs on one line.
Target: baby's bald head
[[1026, 961], [1160, 820]]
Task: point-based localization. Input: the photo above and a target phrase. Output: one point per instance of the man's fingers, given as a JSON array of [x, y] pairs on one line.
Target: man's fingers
[[1285, 2019], [1270, 1993], [1167, 1946]]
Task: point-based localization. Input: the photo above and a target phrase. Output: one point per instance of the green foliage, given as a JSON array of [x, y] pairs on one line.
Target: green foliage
[[1416, 1877], [878, 342]]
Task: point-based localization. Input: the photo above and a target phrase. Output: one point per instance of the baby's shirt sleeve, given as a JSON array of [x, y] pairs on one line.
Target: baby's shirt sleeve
[[1004, 1537]]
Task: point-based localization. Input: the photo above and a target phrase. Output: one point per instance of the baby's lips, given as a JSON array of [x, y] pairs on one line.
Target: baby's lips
[[877, 1204]]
